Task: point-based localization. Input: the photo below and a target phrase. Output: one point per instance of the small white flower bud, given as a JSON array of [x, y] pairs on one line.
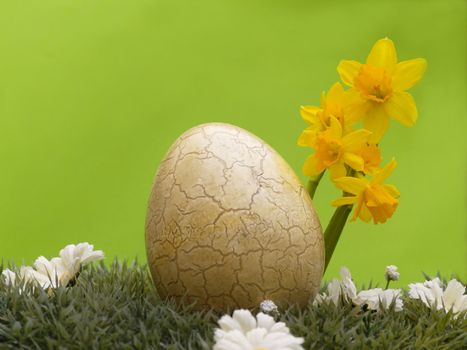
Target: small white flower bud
[[391, 273], [268, 307]]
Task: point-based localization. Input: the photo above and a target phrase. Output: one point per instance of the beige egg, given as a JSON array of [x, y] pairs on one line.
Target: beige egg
[[229, 224]]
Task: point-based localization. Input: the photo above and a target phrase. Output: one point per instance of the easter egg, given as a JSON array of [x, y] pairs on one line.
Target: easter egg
[[229, 224]]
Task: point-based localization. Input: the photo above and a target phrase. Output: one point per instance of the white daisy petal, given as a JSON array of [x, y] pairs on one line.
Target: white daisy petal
[[233, 340], [245, 319], [265, 321], [348, 287], [227, 323], [334, 291], [453, 296]]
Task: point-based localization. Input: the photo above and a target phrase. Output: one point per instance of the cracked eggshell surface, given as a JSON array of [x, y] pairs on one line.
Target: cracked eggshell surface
[[229, 224]]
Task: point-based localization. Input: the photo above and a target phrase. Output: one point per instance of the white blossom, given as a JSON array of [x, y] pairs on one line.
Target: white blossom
[[454, 297], [75, 256], [336, 289], [369, 297], [391, 273], [243, 331], [345, 290], [26, 274], [55, 270], [431, 294], [378, 299]]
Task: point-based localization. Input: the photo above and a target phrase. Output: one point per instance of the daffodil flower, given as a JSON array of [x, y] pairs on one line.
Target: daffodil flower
[[333, 104], [333, 151], [378, 88], [373, 199]]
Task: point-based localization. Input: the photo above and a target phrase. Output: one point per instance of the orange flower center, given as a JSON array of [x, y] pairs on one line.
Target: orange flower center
[[328, 150], [374, 83]]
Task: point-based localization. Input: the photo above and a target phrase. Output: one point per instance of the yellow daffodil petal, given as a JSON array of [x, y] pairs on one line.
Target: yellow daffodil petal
[[364, 214], [401, 106], [360, 205], [335, 129], [312, 166], [357, 106], [383, 55], [351, 184], [337, 170], [348, 70], [384, 173], [392, 190], [376, 121], [336, 94], [407, 73], [307, 138], [356, 139], [308, 114], [353, 160], [344, 201]]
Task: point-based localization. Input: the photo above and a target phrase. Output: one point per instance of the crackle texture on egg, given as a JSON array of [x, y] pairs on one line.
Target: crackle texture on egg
[[229, 224]]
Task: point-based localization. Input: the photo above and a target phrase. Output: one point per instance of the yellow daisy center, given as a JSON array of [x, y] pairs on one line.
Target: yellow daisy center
[[374, 83]]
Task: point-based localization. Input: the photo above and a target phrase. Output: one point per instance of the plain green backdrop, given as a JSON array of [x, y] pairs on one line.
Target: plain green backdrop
[[93, 92]]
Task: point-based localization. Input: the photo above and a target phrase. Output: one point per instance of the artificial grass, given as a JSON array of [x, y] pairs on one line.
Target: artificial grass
[[117, 307]]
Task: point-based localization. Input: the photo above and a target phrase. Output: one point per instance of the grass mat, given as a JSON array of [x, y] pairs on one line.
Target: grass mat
[[117, 307]]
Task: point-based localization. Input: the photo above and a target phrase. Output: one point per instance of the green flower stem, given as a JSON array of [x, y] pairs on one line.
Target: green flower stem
[[336, 225], [313, 183], [334, 230]]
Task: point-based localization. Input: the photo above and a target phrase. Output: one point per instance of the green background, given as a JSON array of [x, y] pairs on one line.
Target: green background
[[93, 92]]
